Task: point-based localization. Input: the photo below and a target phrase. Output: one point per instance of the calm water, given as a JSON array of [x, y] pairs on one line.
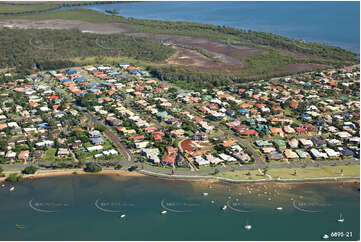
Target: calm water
[[83, 205], [333, 23]]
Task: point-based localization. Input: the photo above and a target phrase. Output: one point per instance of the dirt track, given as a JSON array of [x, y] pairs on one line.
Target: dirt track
[[220, 56]]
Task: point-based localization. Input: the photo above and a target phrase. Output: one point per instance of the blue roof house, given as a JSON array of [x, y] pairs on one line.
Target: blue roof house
[[80, 79], [243, 111], [70, 71]]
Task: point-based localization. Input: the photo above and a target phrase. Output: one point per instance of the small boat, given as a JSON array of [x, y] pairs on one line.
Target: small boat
[[122, 216], [205, 194], [279, 208], [12, 189], [248, 227], [163, 212], [341, 219], [2, 185], [325, 236], [224, 207], [212, 201]]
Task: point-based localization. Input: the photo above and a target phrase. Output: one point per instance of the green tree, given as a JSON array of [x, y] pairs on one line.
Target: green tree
[[29, 170], [92, 167], [132, 168], [14, 178]]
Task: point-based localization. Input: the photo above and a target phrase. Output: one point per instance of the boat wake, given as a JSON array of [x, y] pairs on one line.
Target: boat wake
[[237, 210], [172, 210], [39, 210], [104, 209], [303, 210]]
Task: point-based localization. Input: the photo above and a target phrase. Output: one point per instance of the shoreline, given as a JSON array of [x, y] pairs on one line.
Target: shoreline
[[206, 179]]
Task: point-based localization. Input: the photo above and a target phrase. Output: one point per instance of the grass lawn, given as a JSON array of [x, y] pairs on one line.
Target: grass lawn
[[12, 170], [315, 172], [11, 8], [50, 156], [241, 175]]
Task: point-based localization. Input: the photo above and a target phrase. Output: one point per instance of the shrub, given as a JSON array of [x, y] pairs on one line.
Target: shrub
[[92, 167], [132, 168], [29, 170], [14, 178], [118, 167]]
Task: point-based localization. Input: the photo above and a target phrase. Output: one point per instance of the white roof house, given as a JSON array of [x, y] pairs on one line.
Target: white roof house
[[227, 157], [110, 152], [200, 161], [95, 148], [317, 154], [212, 159], [331, 153]]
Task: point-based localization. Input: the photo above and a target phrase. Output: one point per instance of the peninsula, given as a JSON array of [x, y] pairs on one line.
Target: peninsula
[[84, 90]]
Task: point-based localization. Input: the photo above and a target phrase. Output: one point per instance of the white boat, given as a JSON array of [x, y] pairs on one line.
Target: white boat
[[224, 207], [212, 201], [3, 185], [279, 208], [164, 212], [341, 219], [122, 216], [12, 189], [248, 227], [205, 194], [325, 236]]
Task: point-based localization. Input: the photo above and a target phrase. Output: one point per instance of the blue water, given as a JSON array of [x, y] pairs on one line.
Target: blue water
[[332, 23], [78, 203]]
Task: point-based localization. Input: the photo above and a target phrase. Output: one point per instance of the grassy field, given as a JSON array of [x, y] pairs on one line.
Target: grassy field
[[50, 156], [301, 173], [241, 175], [316, 172], [24, 7], [17, 8], [71, 14]]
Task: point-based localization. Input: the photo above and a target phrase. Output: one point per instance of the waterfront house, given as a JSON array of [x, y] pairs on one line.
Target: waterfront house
[[169, 160], [23, 155], [316, 154], [331, 153], [201, 161], [302, 154], [290, 154], [274, 156]]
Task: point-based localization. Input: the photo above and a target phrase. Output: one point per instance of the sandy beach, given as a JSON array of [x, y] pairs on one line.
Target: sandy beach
[[42, 173]]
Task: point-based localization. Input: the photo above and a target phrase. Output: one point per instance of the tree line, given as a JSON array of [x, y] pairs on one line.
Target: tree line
[[52, 49]]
